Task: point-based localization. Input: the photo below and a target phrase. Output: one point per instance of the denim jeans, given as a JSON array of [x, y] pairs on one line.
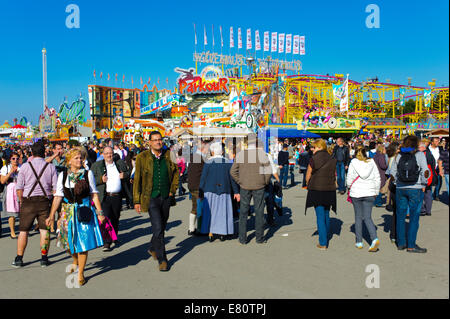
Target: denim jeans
[[340, 170], [412, 199], [427, 202], [446, 183], [379, 200], [258, 199], [159, 214], [323, 224], [284, 174], [437, 188], [363, 213]]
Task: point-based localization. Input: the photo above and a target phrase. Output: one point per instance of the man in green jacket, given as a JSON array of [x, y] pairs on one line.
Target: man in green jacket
[[155, 183]]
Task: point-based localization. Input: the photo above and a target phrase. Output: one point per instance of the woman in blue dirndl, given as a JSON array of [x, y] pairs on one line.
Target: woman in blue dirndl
[[75, 189]]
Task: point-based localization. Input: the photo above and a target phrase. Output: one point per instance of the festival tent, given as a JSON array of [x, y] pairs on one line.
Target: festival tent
[[438, 133], [18, 127], [265, 134], [5, 125]]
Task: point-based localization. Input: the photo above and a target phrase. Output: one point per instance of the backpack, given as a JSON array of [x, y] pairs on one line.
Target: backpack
[[407, 169]]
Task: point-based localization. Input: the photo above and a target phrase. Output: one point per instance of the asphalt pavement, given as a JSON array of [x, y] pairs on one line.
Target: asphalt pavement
[[288, 266]]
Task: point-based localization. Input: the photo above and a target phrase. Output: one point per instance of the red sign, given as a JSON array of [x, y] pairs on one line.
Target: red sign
[[197, 85]]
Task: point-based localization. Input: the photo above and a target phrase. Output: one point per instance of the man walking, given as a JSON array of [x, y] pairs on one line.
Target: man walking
[[435, 151], [194, 173], [342, 155], [110, 177], [252, 171], [36, 184], [155, 184], [283, 162]]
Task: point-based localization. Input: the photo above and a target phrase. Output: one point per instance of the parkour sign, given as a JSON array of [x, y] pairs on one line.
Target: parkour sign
[[210, 81]]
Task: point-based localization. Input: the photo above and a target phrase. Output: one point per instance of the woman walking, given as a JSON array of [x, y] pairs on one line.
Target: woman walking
[[364, 180], [321, 183], [78, 226], [216, 185], [10, 204], [381, 160], [392, 151]]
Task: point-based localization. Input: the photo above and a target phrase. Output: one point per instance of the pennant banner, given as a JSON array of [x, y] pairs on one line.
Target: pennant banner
[[239, 39], [213, 35], [302, 45], [249, 39], [288, 43], [343, 106], [281, 43], [274, 42], [221, 38], [195, 35], [296, 49], [266, 41], [231, 38], [257, 42], [205, 41]]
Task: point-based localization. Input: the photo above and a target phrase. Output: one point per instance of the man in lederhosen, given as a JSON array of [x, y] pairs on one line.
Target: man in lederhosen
[[36, 184]]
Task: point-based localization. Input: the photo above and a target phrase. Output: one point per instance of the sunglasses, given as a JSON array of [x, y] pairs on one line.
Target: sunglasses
[[14, 159]]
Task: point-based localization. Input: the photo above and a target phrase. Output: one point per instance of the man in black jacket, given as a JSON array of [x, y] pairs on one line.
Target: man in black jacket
[[110, 177], [283, 162], [342, 155]]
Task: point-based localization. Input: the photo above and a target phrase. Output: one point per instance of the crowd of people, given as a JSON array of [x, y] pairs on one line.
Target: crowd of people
[[77, 192]]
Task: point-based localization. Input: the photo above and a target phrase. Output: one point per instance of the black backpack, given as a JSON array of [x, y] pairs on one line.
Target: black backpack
[[408, 172]]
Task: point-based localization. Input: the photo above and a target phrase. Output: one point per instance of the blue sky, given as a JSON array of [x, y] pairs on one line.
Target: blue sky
[[142, 38]]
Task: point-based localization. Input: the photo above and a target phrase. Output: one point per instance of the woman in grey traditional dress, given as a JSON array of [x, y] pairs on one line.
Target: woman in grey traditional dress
[[10, 205], [216, 186]]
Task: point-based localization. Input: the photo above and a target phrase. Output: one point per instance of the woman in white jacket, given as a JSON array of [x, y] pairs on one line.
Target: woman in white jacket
[[364, 178]]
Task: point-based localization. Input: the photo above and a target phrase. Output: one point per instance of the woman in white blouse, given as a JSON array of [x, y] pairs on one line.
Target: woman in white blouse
[[76, 188]]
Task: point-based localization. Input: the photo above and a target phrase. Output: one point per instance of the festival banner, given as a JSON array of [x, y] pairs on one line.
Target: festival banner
[[249, 39], [213, 36], [337, 92], [239, 38], [231, 38], [195, 35], [296, 44], [257, 42], [302, 45], [402, 96], [274, 42], [266, 41], [288, 43], [343, 106], [281, 43], [427, 98], [221, 37], [205, 39]]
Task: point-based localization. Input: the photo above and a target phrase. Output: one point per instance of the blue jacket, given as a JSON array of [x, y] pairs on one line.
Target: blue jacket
[[216, 177]]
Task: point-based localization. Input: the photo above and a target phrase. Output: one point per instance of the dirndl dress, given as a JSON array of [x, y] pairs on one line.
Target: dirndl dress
[[76, 236]]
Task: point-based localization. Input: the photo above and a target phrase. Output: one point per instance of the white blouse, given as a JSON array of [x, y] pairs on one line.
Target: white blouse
[[70, 184]]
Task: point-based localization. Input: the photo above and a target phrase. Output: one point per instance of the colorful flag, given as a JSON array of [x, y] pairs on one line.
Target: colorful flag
[[205, 41], [281, 43], [249, 39], [101, 75], [257, 42], [148, 82], [231, 38], [221, 38], [266, 41], [302, 45], [343, 106], [427, 98], [195, 35], [274, 42], [108, 76], [116, 76], [141, 81], [239, 39], [296, 49], [94, 74], [402, 96], [288, 43], [123, 78], [213, 36]]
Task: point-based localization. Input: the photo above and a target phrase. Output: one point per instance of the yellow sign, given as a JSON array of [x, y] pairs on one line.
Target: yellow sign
[[334, 124]]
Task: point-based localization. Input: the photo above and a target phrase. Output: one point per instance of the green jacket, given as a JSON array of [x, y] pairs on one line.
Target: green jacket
[[143, 178], [99, 169]]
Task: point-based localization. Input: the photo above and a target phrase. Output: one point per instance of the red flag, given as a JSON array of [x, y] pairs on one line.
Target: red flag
[[167, 80], [94, 73], [158, 81], [116, 76], [101, 75], [123, 79], [108, 76], [148, 80], [141, 80]]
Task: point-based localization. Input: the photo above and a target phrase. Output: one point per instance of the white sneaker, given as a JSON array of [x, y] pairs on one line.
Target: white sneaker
[[359, 245], [374, 246]]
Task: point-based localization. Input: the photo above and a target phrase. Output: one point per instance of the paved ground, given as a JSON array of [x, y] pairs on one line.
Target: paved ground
[[288, 266]]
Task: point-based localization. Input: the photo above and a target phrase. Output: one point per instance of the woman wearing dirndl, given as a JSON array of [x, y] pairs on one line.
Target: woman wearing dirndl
[[75, 189], [10, 204]]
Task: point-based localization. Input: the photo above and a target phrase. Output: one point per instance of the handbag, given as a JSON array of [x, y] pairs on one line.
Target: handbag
[[84, 214], [385, 188], [349, 199]]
